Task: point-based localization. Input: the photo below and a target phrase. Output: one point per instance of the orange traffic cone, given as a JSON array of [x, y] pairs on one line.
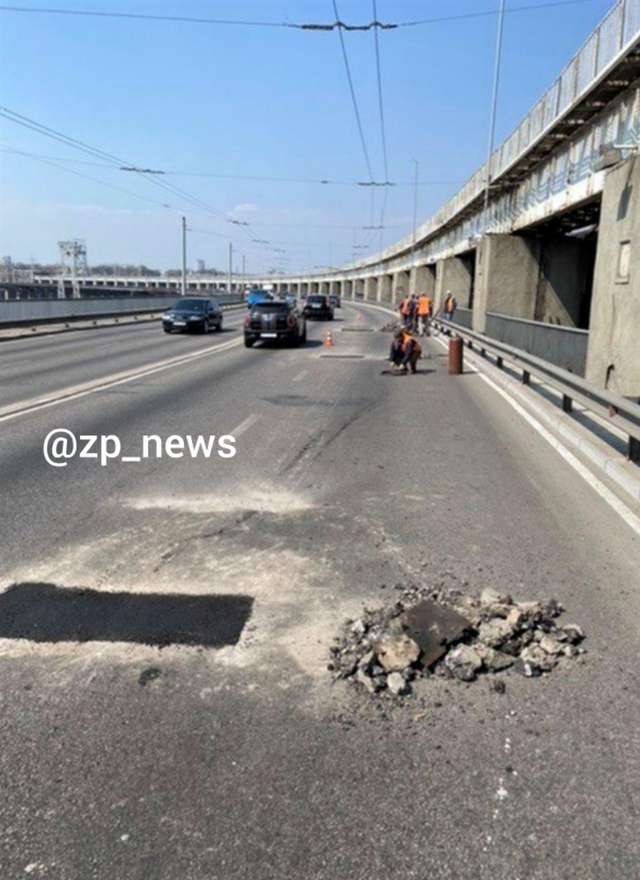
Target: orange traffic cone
[[328, 340]]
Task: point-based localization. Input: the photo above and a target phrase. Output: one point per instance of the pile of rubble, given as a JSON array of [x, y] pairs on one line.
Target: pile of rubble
[[390, 327], [436, 633]]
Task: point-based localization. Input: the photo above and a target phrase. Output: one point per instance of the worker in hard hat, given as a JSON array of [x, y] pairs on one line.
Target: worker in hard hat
[[405, 352], [424, 308]]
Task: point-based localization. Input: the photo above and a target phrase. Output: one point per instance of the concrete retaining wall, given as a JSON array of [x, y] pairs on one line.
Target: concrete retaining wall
[[563, 346], [18, 311]]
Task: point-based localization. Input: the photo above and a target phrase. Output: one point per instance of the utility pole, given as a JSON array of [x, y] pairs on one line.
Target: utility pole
[[230, 265], [415, 206], [494, 106], [184, 256]]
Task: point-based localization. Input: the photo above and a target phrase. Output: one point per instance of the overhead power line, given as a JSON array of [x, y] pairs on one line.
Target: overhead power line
[[172, 172], [354, 100], [85, 176], [96, 152], [337, 25], [463, 16]]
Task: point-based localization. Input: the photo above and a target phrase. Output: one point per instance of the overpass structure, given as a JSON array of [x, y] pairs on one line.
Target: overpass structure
[[558, 244]]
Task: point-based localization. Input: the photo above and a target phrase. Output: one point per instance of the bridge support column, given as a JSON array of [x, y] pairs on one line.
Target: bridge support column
[[453, 274], [400, 287], [324, 287], [385, 288], [314, 287], [358, 288], [507, 271], [371, 289], [422, 280], [347, 287], [612, 356]]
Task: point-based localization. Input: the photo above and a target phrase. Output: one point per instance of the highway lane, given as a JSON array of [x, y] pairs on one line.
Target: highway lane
[[63, 360], [244, 761]]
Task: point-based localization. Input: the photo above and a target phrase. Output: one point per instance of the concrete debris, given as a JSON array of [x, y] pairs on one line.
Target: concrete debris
[[397, 684], [425, 632], [463, 661], [396, 651], [434, 628]]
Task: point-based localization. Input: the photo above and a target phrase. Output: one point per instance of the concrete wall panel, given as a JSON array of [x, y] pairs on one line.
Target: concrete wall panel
[[613, 357]]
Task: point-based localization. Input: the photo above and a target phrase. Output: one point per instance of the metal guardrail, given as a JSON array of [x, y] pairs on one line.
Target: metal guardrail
[[618, 411]]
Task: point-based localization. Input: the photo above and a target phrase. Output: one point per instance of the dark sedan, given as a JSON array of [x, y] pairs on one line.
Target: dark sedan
[[274, 321], [318, 306], [197, 313]]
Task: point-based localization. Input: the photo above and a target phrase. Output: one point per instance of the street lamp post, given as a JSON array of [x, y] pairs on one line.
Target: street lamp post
[[494, 106], [184, 257]]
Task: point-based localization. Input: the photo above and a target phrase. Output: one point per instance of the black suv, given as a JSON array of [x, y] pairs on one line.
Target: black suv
[[197, 313], [274, 320], [318, 306]]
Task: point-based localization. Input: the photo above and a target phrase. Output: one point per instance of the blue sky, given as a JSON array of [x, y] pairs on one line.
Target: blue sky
[[213, 99]]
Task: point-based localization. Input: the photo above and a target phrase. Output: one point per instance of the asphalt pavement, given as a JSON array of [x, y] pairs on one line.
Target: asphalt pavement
[[165, 708]]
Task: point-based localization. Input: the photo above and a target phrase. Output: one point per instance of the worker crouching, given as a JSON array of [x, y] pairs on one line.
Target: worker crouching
[[405, 352]]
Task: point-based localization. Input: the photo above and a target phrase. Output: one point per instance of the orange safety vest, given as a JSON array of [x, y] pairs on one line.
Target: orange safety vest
[[424, 305], [405, 306], [407, 338]]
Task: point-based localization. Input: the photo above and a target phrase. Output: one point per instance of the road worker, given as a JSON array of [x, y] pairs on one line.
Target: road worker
[[406, 311], [405, 352], [424, 309], [450, 306]]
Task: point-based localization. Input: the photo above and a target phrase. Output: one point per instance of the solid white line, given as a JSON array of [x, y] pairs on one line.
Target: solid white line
[[245, 425], [597, 485], [130, 458], [300, 376], [13, 411]]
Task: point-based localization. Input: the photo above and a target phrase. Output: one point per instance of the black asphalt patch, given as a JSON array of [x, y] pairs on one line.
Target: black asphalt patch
[[49, 613]]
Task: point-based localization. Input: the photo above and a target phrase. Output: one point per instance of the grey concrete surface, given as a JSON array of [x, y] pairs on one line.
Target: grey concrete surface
[[613, 361], [563, 346], [120, 759]]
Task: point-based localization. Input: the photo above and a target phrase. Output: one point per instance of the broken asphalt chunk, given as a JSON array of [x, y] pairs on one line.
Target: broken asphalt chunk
[[434, 628]]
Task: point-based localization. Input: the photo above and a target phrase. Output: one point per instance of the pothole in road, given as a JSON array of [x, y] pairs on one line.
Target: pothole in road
[[45, 612]]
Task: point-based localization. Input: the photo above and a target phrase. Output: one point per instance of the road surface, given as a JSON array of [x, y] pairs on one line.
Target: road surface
[[236, 757]]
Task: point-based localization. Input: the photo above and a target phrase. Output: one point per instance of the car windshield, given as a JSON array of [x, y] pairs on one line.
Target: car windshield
[[317, 299], [189, 305]]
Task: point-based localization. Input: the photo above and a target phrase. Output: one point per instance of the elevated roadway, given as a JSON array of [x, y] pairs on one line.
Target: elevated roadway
[[124, 760]]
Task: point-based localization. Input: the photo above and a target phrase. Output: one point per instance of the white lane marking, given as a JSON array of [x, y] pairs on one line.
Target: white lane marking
[[597, 485], [130, 458], [245, 425], [13, 411], [300, 376]]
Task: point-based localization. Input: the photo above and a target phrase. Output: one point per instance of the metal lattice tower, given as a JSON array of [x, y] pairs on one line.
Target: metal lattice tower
[[73, 256]]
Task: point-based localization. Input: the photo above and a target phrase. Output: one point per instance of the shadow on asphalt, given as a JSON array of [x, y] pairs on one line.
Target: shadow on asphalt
[[418, 372], [274, 343], [49, 613]]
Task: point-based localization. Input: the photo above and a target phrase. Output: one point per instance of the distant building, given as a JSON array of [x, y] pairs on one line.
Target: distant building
[[201, 268]]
